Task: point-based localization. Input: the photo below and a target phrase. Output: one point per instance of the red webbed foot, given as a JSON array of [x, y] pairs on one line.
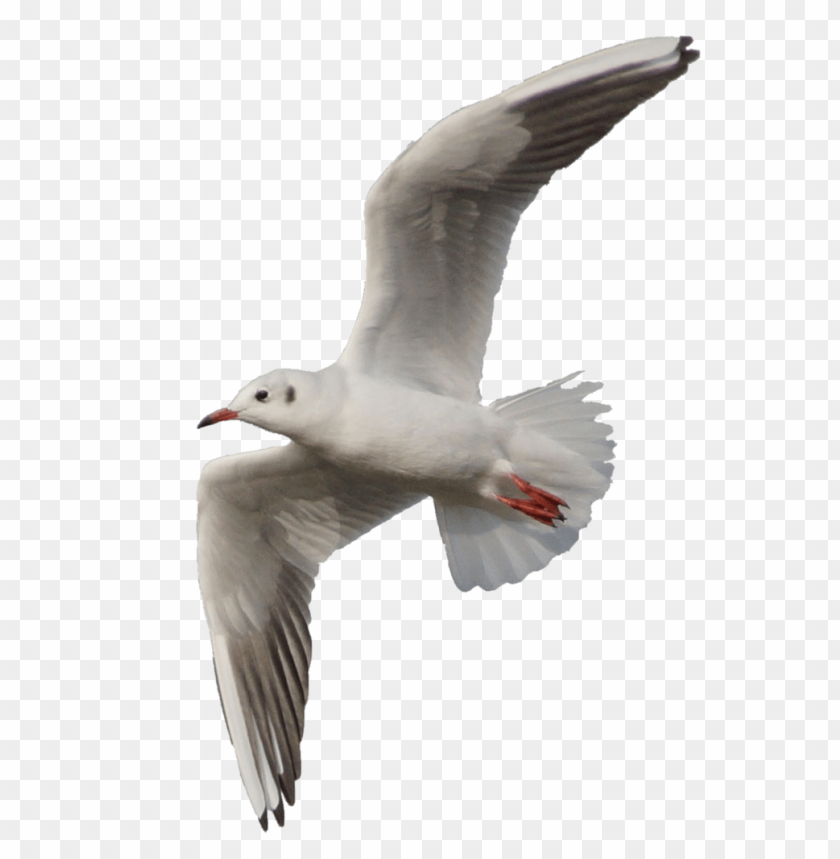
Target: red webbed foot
[[540, 505]]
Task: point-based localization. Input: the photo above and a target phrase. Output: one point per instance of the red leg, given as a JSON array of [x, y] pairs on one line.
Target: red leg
[[530, 508], [537, 493], [542, 506]]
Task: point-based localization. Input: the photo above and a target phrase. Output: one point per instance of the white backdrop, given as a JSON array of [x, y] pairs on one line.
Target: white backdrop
[[181, 204]]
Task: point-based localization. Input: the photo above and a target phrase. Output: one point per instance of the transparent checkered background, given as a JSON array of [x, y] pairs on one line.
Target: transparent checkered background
[[181, 211]]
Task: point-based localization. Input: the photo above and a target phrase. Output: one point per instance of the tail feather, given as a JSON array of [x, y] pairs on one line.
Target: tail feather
[[489, 544]]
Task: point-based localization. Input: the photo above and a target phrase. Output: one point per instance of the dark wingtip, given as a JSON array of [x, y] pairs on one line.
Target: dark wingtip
[[279, 814], [264, 820], [287, 787], [687, 56]]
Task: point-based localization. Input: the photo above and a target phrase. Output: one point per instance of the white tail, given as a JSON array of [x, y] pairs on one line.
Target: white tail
[[489, 545]]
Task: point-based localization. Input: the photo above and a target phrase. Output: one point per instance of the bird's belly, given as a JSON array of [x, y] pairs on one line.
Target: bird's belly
[[432, 445]]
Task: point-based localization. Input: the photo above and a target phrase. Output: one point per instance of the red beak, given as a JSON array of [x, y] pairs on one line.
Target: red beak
[[215, 417]]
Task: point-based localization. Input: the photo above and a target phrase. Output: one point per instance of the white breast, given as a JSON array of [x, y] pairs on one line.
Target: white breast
[[423, 440]]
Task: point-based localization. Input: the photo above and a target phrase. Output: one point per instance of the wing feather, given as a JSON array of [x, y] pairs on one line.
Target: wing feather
[[439, 221], [266, 520]]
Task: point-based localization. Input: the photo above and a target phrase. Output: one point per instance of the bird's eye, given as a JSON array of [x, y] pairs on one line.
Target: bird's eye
[[261, 395], [290, 394]]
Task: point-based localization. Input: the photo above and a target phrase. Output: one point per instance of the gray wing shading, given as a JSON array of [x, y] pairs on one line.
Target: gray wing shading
[[440, 219], [265, 521]]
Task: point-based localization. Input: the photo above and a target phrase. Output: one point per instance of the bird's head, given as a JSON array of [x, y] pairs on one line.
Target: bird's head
[[280, 401]]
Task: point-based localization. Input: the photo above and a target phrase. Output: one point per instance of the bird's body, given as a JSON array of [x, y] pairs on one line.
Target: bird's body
[[398, 416], [415, 439]]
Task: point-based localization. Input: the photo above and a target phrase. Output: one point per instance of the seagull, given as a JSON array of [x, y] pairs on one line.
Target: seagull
[[398, 416]]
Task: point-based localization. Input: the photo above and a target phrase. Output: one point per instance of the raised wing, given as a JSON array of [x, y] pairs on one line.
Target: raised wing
[[440, 219], [265, 521]]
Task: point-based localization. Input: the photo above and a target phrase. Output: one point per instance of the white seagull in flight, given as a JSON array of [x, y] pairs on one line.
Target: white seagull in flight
[[398, 416]]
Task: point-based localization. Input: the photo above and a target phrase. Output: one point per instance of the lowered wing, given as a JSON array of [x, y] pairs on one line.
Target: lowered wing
[[265, 521]]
